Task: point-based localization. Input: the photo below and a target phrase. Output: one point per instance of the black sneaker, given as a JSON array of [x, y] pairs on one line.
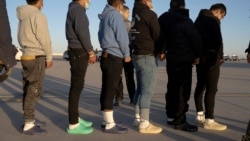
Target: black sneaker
[[36, 130], [116, 130], [186, 127]]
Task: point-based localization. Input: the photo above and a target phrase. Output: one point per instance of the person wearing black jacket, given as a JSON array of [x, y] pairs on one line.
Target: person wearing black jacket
[[208, 70], [145, 31], [247, 136], [248, 53], [7, 49], [181, 42]]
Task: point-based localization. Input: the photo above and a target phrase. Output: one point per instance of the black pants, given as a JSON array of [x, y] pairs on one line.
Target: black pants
[[119, 91], [111, 67], [78, 60], [247, 136], [129, 75], [130, 81], [207, 80], [178, 91]]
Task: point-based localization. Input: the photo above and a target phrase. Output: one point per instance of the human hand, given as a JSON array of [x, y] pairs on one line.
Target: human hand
[[92, 57], [127, 59], [162, 56], [196, 61], [221, 61], [248, 58], [48, 64]]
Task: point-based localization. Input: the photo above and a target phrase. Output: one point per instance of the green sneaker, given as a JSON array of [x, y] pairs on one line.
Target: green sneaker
[[85, 123], [80, 130]]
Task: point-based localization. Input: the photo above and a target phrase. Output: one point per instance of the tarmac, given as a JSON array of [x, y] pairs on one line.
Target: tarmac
[[232, 107]]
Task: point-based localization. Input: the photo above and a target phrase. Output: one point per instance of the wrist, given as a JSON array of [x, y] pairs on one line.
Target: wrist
[[91, 52], [91, 55]]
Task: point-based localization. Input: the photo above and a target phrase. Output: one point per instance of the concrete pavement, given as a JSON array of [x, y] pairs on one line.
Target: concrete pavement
[[232, 107]]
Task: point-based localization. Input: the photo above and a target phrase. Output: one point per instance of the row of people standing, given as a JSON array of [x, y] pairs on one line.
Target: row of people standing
[[173, 35], [187, 44]]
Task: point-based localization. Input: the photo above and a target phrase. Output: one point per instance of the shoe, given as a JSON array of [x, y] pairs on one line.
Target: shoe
[[215, 126], [186, 127], [103, 125], [117, 104], [136, 122], [81, 129], [170, 121], [131, 103], [36, 130], [85, 123], [151, 129], [117, 129], [37, 123]]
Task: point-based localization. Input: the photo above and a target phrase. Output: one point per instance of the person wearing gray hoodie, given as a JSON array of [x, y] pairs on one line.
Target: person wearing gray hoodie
[[34, 38]]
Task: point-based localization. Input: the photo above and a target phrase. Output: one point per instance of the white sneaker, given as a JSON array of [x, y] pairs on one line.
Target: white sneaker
[[215, 126], [151, 129]]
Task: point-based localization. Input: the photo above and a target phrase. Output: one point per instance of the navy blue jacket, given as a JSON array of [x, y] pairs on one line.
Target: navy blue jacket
[[77, 27]]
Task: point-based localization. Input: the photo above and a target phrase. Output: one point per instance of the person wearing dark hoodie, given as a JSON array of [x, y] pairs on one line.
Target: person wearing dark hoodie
[[34, 38], [181, 43], [113, 38], [145, 30], [7, 49], [81, 54], [248, 53], [128, 68], [208, 70]]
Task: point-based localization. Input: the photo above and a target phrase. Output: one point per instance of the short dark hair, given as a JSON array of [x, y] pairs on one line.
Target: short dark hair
[[219, 6], [177, 3], [31, 2], [115, 2], [125, 7]]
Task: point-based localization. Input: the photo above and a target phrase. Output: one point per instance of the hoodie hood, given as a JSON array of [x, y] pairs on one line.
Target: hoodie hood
[[25, 11], [106, 10], [207, 13], [138, 6]]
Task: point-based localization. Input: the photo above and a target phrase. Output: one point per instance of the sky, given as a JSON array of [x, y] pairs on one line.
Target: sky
[[235, 26]]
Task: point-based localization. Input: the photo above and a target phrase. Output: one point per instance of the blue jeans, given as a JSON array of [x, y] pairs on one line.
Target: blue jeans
[[146, 75]]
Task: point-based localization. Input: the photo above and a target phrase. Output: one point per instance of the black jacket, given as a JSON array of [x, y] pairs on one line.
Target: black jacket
[[248, 49], [209, 28], [145, 30], [179, 37], [7, 49]]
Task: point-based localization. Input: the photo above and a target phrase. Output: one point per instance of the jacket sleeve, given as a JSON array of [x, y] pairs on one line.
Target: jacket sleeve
[[161, 42], [82, 29], [248, 49], [121, 34], [43, 36], [154, 26]]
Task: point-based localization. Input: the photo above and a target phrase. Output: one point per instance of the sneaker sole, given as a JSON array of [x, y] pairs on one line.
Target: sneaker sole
[[218, 129]]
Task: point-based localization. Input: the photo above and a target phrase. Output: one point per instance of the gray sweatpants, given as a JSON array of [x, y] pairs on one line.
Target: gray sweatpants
[[33, 75]]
